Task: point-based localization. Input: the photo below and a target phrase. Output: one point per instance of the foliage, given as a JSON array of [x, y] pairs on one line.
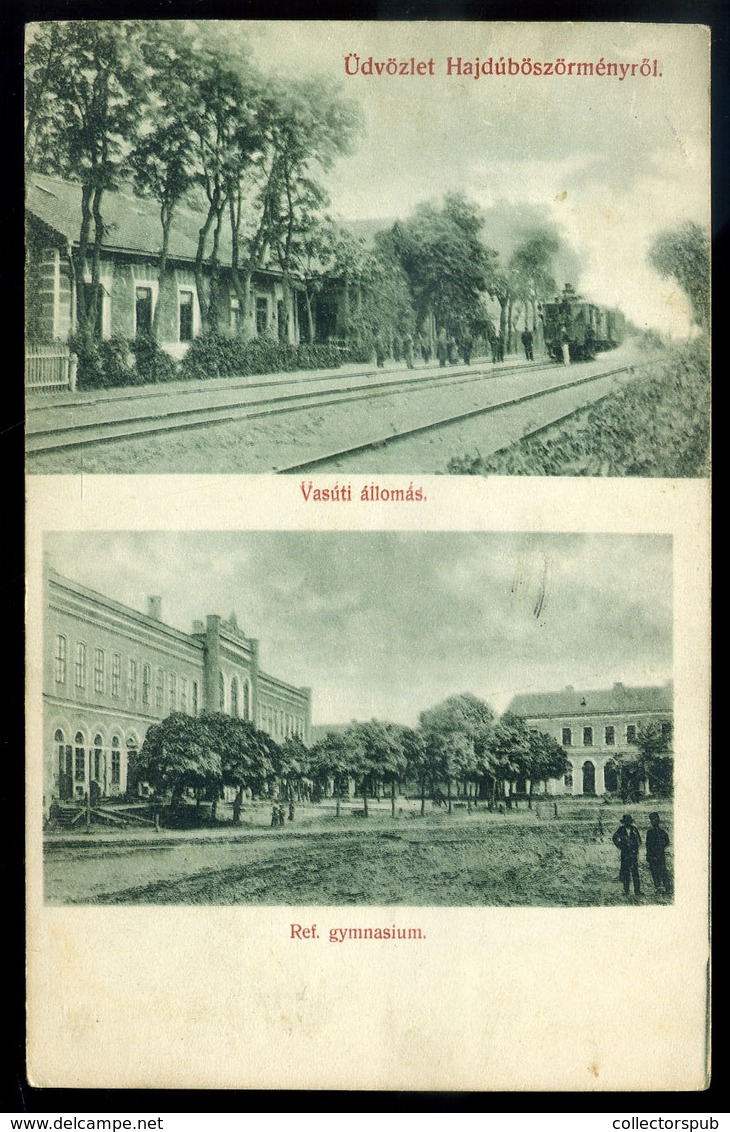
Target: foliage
[[448, 267], [151, 363], [683, 254], [103, 365], [176, 753], [656, 425], [219, 355]]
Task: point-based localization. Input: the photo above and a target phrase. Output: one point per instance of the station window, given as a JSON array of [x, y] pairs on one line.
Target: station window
[[142, 310], [234, 698], [146, 682], [262, 315], [116, 674], [80, 665], [246, 700], [160, 689], [132, 682], [98, 670], [568, 780], [60, 660], [610, 736], [194, 704], [221, 692], [567, 737], [587, 736], [172, 690], [185, 308], [630, 732], [183, 694]]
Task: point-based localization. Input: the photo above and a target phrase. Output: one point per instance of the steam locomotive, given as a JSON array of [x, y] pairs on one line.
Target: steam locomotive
[[586, 327]]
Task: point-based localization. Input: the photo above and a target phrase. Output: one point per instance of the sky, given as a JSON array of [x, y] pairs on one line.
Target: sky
[[610, 163], [385, 625]]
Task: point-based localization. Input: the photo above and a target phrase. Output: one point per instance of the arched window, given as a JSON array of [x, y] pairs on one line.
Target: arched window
[[221, 692], [160, 689], [195, 697], [146, 682], [172, 690], [132, 749], [65, 765], [234, 697], [183, 694], [79, 758], [97, 765], [246, 700], [116, 762]]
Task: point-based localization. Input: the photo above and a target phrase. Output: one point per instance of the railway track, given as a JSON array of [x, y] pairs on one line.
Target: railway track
[[336, 457], [148, 414], [251, 402]]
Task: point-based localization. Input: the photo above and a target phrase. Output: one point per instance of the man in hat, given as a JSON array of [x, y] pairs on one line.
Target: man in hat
[[627, 840], [657, 840]]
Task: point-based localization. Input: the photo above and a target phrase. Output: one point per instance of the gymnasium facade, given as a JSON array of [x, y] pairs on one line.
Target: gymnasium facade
[[110, 671]]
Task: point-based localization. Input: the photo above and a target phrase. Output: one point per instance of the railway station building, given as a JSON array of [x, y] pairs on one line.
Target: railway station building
[[129, 273], [110, 671], [595, 728]]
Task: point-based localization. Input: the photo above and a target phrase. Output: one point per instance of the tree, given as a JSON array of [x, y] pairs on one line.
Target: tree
[[163, 160], [654, 742], [375, 753], [547, 758], [309, 124], [329, 759], [456, 734], [86, 98], [509, 751], [244, 753], [292, 765], [177, 753], [683, 253], [529, 269]]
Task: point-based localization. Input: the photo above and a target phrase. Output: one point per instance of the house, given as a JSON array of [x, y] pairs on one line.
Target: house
[[595, 728], [130, 288], [110, 671]]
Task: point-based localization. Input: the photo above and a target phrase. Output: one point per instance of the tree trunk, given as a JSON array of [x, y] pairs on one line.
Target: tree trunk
[[365, 795], [448, 793], [423, 794], [166, 219], [237, 806], [392, 798]]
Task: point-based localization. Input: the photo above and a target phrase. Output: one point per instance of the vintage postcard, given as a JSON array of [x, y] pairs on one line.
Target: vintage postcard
[[367, 383], [362, 248]]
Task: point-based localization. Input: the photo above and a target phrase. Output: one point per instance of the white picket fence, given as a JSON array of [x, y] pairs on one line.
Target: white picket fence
[[49, 367]]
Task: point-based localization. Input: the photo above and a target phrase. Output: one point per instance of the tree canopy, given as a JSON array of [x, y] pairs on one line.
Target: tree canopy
[[683, 253]]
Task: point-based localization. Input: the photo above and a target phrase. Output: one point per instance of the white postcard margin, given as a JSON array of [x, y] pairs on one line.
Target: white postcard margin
[[494, 998]]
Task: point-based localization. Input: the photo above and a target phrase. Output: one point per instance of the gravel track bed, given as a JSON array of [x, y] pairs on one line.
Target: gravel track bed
[[268, 444]]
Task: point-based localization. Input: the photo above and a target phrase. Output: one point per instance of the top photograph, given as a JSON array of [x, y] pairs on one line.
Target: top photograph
[[367, 248]]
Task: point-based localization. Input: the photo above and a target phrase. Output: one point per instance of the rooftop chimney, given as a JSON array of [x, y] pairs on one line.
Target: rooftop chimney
[[154, 608]]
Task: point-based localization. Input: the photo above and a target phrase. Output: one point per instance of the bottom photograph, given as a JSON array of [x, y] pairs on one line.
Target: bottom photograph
[[358, 718]]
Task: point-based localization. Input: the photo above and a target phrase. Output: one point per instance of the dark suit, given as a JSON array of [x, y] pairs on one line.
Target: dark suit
[[657, 840], [627, 840]]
